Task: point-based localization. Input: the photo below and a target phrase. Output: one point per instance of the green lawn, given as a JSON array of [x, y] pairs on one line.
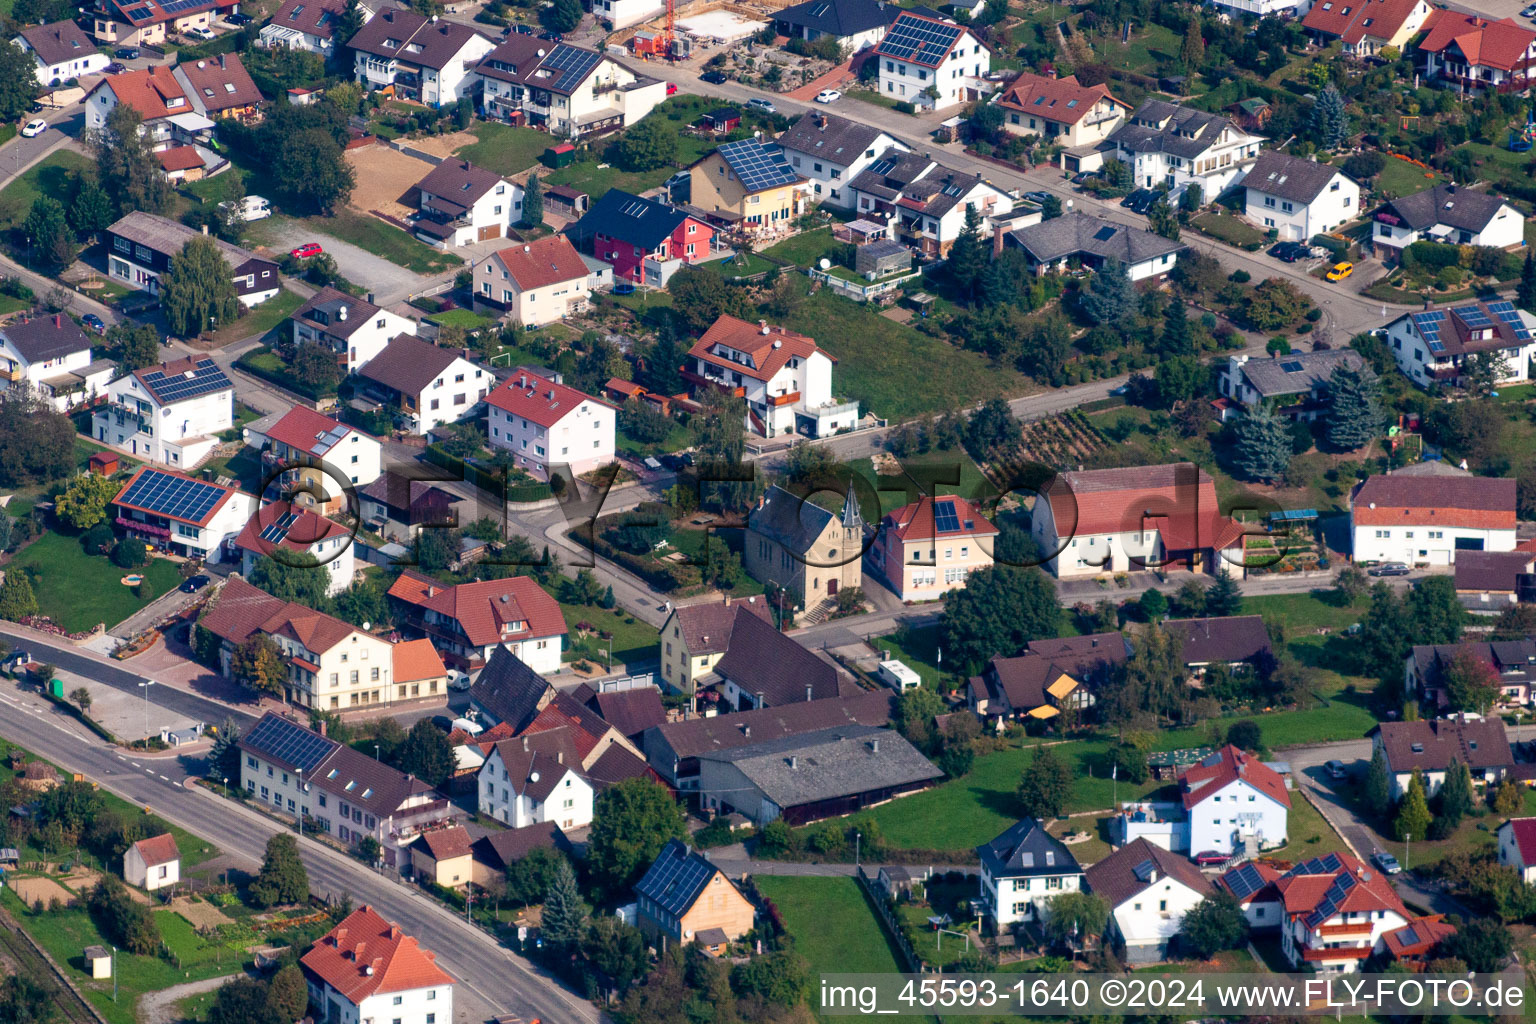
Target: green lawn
[[1230, 229], [258, 321], [52, 176], [739, 266], [78, 590], [805, 249], [678, 437], [633, 640], [597, 181], [384, 240], [467, 319], [505, 149], [924, 473], [1400, 178]]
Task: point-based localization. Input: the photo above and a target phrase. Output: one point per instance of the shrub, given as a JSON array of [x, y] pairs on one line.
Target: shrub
[[130, 553], [1240, 277]]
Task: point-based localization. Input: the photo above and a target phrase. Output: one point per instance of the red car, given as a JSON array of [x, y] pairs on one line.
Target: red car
[[306, 250], [1211, 859], [671, 88]]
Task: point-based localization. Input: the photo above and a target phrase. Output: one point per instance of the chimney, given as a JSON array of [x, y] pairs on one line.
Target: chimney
[[431, 590], [794, 761], [746, 732], [1152, 876], [807, 691], [874, 746], [1427, 303], [205, 229], [321, 727], [560, 757], [525, 744], [341, 311], [725, 598], [58, 320], [997, 240]]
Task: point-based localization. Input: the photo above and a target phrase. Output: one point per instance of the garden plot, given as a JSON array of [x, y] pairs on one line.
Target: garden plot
[[385, 177], [34, 890]]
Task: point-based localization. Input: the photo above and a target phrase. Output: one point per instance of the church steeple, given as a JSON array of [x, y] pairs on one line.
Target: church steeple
[[851, 518]]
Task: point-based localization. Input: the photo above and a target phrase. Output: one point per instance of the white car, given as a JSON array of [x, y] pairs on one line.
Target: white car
[[458, 681], [34, 128], [251, 208], [197, 31], [828, 96]]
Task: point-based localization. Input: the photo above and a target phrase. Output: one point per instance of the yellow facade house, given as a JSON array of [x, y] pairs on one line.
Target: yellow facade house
[[750, 185]]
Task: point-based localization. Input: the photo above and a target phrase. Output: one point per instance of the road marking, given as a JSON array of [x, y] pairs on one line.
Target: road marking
[[136, 764], [163, 777]]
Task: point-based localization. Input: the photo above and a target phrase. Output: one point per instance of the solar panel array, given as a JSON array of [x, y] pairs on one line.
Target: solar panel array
[[1244, 881], [883, 166], [1143, 871], [178, 497], [1472, 316], [289, 742], [573, 61], [1429, 326], [944, 518], [139, 13], [1507, 312], [1331, 899], [205, 377], [1410, 936], [276, 533], [675, 879], [330, 439], [1318, 866], [1292, 367], [919, 40], [177, 6], [757, 166]]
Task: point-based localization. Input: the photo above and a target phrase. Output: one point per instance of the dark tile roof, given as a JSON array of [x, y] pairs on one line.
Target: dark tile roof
[[761, 660], [726, 732], [1138, 866], [439, 40], [707, 627], [1457, 207], [509, 690], [1299, 372], [1433, 745], [459, 181], [335, 312], [500, 850], [1158, 126], [1018, 682], [828, 136], [58, 42], [316, 18], [408, 364], [1077, 233], [1289, 177], [630, 219], [221, 83], [1467, 493], [840, 18], [42, 338], [1229, 639], [828, 764], [1513, 660], [1492, 571], [788, 519], [168, 237], [676, 878], [616, 764], [363, 782], [1027, 849], [1085, 657], [631, 712], [891, 172]]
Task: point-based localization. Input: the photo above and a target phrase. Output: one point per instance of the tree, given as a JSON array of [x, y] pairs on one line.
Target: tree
[[1224, 596], [648, 146], [533, 202], [1471, 683], [640, 530], [197, 291], [1378, 783], [18, 82], [17, 600], [130, 553], [1435, 612], [1327, 120], [1525, 294], [81, 697], [426, 754], [616, 949], [295, 576], [24, 1001], [915, 711], [85, 501], [282, 878], [1110, 298], [1246, 735], [1075, 916], [126, 168], [631, 822], [1456, 796], [1214, 924], [531, 876], [1413, 818], [1000, 609], [244, 1001], [565, 913], [1046, 785], [1192, 53], [1261, 447], [49, 241], [968, 256], [700, 297], [1176, 339], [224, 755], [562, 16], [1153, 604], [347, 24], [1354, 413], [1163, 220], [956, 759], [1482, 943], [1275, 303], [257, 663], [312, 165], [137, 346], [315, 366], [287, 994], [1508, 798]]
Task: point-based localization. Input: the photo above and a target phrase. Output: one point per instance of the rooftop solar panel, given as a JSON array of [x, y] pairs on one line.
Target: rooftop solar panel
[[675, 879], [202, 379], [1143, 871], [1410, 936], [758, 166], [919, 40], [276, 533], [573, 62], [176, 497], [1501, 307], [289, 742], [944, 518]]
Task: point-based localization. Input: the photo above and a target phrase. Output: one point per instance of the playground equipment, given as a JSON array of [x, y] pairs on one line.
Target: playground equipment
[[1522, 140]]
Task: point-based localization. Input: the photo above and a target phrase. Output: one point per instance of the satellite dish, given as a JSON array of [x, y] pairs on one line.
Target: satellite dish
[[367, 626], [825, 264]]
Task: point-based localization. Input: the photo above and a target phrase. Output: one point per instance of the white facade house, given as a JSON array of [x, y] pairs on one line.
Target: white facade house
[[52, 355], [546, 424], [520, 786], [353, 329], [1083, 239], [153, 863], [1430, 746], [1447, 213], [1299, 198], [569, 90], [470, 622], [459, 203], [930, 63], [1517, 847], [308, 25], [171, 413], [425, 60], [1148, 890], [1022, 870], [1166, 144], [1426, 520], [831, 151], [319, 456], [140, 247], [432, 385], [534, 284], [786, 378], [61, 52], [1432, 346], [172, 512], [367, 971], [1264, 8], [624, 13], [855, 24], [284, 532], [1234, 801]]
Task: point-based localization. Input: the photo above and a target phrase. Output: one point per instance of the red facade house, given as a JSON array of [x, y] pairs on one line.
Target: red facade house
[[645, 241]]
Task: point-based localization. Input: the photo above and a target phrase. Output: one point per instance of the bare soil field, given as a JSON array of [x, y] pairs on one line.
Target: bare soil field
[[384, 180]]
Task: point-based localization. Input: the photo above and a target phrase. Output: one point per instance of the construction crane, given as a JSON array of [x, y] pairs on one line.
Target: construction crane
[[659, 44]]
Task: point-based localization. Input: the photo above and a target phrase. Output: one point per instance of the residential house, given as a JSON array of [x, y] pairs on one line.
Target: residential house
[[673, 749], [1491, 581], [522, 785], [1429, 747], [784, 377], [534, 284], [695, 637], [459, 203], [52, 355], [287, 533], [220, 87], [1021, 871], [426, 60], [683, 898], [1294, 386], [1366, 26], [1087, 240], [341, 792], [764, 668], [924, 203], [548, 426], [151, 22], [1030, 686], [191, 518], [1431, 519], [1517, 847], [429, 385], [170, 413], [814, 775], [1239, 642], [140, 247], [495, 852], [1148, 891], [567, 90], [1127, 520], [806, 550], [352, 328], [1299, 198], [469, 621], [1415, 944], [621, 14], [855, 24], [1446, 213], [367, 969], [508, 692], [630, 712], [929, 62], [749, 186], [1065, 112], [1512, 664], [442, 857], [568, 728], [308, 25], [61, 52], [167, 116], [644, 240], [832, 151], [1166, 144], [1089, 658], [1263, 8], [928, 548], [1229, 802], [398, 507], [332, 665], [1433, 345], [419, 670], [153, 863], [317, 457], [1471, 53]]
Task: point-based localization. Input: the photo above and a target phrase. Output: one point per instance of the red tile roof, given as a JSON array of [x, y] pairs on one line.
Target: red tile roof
[[415, 660], [1469, 502], [179, 158], [1416, 938], [564, 712], [301, 429], [768, 347], [1525, 838], [1177, 499], [1226, 766], [242, 610], [1353, 20], [1498, 44], [483, 607], [365, 955], [543, 401], [308, 529], [149, 92], [159, 849], [1065, 100], [917, 519], [229, 492], [444, 843], [548, 261], [1302, 894]]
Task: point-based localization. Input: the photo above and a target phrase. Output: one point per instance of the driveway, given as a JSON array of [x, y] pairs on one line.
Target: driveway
[[385, 281]]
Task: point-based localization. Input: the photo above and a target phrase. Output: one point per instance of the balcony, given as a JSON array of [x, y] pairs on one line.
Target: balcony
[[1351, 953], [380, 72], [833, 407], [704, 381], [11, 375], [781, 400]]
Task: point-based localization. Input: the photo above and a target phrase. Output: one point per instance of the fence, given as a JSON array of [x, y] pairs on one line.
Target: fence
[[881, 903]]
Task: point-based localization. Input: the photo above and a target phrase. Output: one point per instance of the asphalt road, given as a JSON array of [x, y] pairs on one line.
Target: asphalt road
[[387, 281], [491, 979]]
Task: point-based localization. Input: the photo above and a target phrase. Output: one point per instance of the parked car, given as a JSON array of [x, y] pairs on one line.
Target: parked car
[[766, 106], [1529, 12], [113, 69], [34, 128], [522, 30], [94, 322], [714, 77], [238, 19], [251, 208], [198, 32], [1336, 770], [554, 37], [1211, 858], [1339, 271], [828, 96], [306, 251], [1082, 176], [458, 681], [36, 107], [1387, 863], [1037, 196], [671, 88], [1140, 201], [1389, 569], [192, 584], [1290, 252], [442, 722], [126, 53]]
